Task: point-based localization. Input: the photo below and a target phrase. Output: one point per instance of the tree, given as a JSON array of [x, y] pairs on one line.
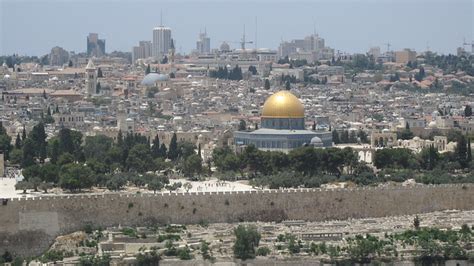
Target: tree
[[38, 137], [23, 185], [335, 137], [461, 151], [247, 240], [267, 84], [99, 73], [5, 142], [164, 60], [75, 177], [139, 158], [416, 222], [469, 153], [192, 165], [288, 85], [467, 111], [70, 64], [28, 153], [98, 88], [253, 70], [148, 69], [116, 182], [163, 151], [155, 147], [173, 148], [242, 125], [18, 141]]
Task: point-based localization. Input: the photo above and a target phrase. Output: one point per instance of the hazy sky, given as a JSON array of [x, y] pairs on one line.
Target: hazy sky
[[33, 27]]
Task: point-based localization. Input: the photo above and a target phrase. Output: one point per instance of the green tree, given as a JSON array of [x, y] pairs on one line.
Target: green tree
[[461, 151], [155, 147], [467, 111], [75, 177], [28, 153], [139, 158], [288, 85], [18, 141], [242, 125], [99, 73], [192, 165], [5, 142], [247, 240], [38, 137], [267, 84], [148, 69], [335, 137], [173, 148]]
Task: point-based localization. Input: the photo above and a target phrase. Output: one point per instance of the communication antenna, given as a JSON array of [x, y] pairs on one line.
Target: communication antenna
[[161, 17], [256, 28]]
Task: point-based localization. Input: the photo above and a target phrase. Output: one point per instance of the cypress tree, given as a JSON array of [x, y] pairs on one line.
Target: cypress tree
[[469, 154], [155, 148], [163, 151], [18, 141], [199, 150], [173, 148]]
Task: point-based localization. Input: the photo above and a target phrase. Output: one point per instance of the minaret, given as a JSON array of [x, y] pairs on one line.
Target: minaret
[[171, 56], [91, 78]]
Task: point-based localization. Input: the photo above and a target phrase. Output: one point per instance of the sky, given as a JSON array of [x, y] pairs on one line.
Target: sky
[[33, 27]]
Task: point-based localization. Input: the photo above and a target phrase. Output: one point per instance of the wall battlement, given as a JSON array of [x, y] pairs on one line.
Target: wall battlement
[[29, 225], [264, 191]]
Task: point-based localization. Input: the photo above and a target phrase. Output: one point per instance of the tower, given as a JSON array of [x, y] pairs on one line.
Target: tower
[[161, 41], [91, 78]]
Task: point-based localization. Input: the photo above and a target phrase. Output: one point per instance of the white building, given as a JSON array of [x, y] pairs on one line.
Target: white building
[[161, 41]]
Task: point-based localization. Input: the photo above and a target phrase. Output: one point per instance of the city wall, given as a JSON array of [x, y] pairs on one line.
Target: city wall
[[29, 225]]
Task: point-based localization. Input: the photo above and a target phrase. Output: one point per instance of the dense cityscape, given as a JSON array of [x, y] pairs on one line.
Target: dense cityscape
[[232, 154]]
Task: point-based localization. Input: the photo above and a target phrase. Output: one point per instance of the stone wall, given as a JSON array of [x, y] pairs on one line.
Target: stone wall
[[29, 225]]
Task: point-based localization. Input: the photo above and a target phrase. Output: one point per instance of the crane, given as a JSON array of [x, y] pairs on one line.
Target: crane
[[242, 41]]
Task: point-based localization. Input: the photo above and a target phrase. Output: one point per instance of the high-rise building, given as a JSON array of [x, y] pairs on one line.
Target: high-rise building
[[161, 41], [203, 44], [95, 46], [143, 50], [58, 56]]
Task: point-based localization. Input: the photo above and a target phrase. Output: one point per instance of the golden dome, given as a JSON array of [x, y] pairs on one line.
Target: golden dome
[[283, 104]]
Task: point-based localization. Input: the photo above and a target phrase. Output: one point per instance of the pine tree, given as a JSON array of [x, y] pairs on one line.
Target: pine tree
[[148, 70], [49, 111], [287, 85], [199, 150], [173, 148]]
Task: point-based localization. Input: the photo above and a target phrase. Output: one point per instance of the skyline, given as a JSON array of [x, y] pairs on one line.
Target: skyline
[[355, 27]]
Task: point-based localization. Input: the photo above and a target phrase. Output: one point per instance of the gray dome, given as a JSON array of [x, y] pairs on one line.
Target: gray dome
[[151, 78], [316, 141]]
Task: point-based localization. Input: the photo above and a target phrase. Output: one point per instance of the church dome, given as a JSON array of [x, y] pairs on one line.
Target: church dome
[[283, 104]]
